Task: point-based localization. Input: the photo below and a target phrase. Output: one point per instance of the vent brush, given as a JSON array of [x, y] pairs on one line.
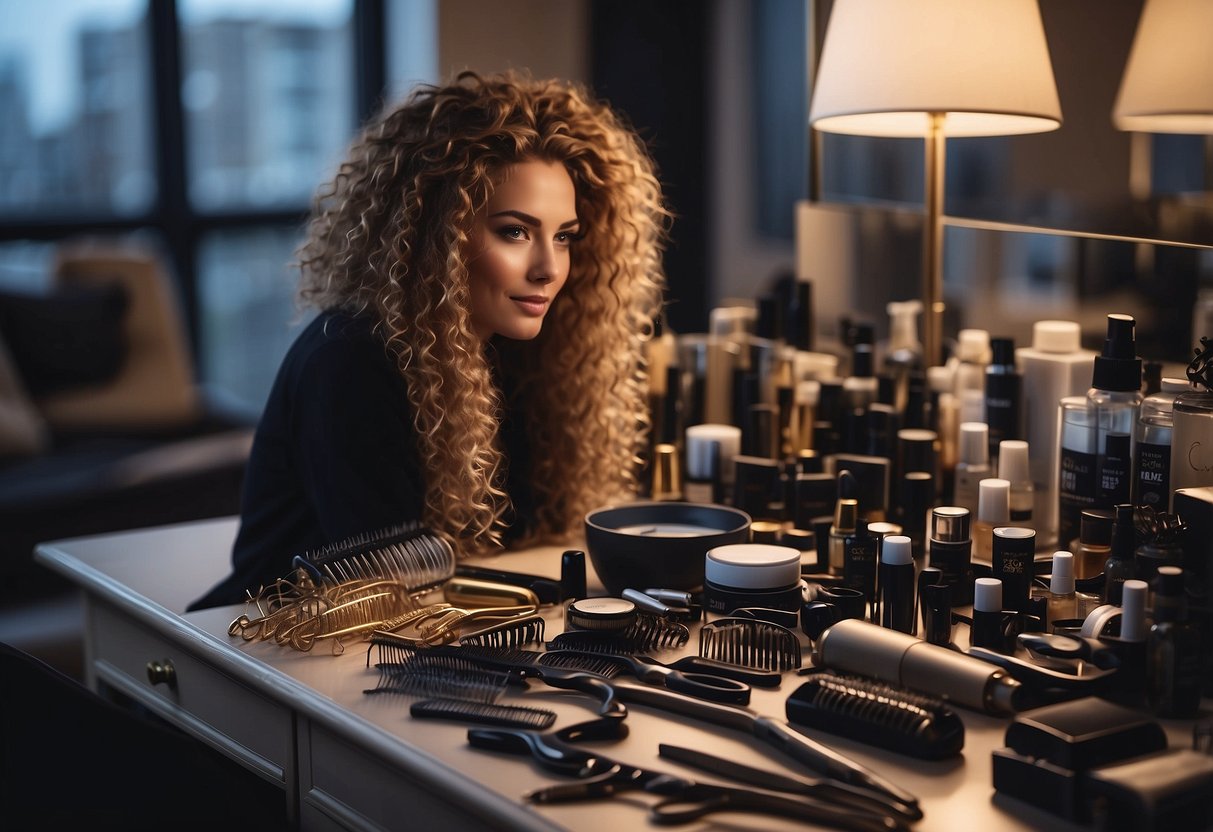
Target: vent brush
[[408, 553], [877, 713], [750, 642]]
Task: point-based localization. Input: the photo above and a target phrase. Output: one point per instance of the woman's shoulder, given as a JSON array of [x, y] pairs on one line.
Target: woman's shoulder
[[339, 345]]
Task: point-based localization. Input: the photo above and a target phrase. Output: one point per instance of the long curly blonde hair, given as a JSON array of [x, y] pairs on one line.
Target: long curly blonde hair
[[388, 236]]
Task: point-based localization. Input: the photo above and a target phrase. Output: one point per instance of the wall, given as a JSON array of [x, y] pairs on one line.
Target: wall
[[548, 37]]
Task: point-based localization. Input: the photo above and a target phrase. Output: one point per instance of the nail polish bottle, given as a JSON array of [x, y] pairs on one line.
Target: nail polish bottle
[[973, 465], [986, 630], [846, 515], [1013, 466], [993, 510]]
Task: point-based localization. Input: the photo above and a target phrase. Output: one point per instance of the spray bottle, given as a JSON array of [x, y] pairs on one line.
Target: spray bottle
[[1115, 398]]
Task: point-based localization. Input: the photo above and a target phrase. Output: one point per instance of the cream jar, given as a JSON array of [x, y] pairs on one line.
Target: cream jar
[[752, 575]]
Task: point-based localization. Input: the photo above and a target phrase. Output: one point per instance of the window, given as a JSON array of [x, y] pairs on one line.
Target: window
[[201, 128], [75, 92]]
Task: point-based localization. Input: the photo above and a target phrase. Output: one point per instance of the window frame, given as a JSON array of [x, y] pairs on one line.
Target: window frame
[[180, 226]]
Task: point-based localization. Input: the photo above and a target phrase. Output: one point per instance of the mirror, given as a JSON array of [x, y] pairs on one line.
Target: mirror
[[1087, 181]]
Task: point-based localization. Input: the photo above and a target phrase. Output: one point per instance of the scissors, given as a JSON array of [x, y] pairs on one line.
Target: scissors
[[683, 800], [650, 671]]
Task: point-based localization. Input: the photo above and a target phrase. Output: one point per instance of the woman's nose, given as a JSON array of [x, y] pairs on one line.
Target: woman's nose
[[544, 265]]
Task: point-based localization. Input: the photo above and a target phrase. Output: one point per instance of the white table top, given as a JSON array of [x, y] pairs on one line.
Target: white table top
[[153, 575]]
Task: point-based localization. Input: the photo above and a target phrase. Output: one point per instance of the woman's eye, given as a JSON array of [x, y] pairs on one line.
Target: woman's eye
[[565, 238], [513, 232]]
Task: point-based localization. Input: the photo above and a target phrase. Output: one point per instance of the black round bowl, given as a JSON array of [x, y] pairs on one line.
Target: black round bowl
[[625, 553]]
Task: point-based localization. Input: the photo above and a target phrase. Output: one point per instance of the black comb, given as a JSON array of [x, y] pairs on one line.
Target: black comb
[[441, 676], [484, 713], [877, 713], [750, 642], [518, 632], [647, 633]]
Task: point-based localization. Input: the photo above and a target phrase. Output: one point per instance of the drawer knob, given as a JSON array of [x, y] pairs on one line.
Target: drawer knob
[[162, 672]]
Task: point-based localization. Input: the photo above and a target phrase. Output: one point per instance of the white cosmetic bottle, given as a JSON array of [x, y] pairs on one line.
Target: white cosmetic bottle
[[1055, 366]]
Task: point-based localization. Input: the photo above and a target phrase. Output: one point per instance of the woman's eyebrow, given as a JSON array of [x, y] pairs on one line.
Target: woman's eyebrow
[[529, 220]]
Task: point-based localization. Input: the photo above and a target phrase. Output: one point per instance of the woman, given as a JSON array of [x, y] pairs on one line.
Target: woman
[[487, 265]]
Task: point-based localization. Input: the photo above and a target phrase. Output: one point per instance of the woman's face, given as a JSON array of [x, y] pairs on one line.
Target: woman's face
[[518, 253]]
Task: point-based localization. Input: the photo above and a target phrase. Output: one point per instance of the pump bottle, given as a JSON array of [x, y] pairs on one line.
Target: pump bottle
[[1115, 398]]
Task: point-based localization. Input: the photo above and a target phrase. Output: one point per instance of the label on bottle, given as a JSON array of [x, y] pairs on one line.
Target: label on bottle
[[1075, 491], [1002, 408], [1114, 483], [1153, 475]]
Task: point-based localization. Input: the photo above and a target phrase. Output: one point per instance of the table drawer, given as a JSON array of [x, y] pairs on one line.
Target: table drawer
[[335, 777], [202, 700]]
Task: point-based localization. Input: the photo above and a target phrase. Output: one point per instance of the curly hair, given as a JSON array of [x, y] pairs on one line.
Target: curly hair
[[388, 236]]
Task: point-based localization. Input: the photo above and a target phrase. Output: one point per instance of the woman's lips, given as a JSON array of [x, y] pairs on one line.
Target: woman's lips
[[532, 304]]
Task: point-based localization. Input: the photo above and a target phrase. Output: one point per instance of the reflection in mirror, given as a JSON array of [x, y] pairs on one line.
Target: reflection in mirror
[[1004, 278], [1088, 176]]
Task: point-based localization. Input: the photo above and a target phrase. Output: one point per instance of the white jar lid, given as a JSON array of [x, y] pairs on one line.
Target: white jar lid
[[752, 566], [1056, 336], [987, 595]]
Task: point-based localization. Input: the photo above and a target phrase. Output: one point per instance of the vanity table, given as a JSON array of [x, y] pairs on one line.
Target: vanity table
[[348, 760]]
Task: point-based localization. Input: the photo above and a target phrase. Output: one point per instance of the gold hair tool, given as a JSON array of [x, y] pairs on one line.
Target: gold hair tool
[[475, 592]]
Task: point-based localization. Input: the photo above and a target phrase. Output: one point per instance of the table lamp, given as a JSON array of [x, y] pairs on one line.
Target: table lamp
[[1168, 82], [934, 68]]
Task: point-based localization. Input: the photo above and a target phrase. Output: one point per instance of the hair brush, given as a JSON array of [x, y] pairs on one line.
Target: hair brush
[[877, 713]]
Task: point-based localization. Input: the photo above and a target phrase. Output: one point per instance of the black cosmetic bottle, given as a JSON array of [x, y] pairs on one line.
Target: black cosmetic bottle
[[951, 551], [1121, 564], [896, 584], [1012, 561], [1172, 649], [1002, 394], [859, 568]]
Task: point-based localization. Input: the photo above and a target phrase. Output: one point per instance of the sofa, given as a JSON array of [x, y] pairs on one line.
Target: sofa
[[103, 424]]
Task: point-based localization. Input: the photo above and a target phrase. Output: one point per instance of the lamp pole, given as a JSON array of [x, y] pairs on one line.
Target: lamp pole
[[932, 242]]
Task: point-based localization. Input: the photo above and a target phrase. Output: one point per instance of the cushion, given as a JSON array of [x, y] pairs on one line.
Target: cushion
[[72, 337], [154, 389], [22, 429]]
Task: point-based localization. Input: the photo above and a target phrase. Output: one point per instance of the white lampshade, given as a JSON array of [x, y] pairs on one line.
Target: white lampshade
[[1168, 81], [887, 64]]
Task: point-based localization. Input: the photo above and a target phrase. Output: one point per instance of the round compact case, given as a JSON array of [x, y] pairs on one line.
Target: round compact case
[[608, 614], [752, 575]]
